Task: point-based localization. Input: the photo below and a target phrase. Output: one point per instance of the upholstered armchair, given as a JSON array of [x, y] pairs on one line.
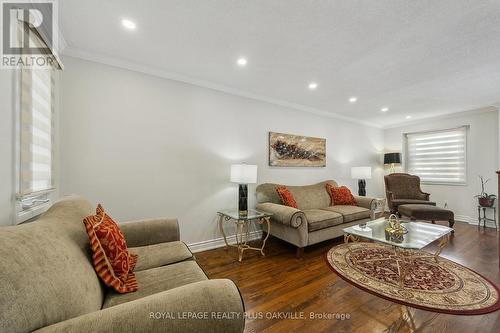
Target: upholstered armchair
[[402, 188]]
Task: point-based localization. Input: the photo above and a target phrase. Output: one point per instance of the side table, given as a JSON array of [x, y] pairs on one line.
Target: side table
[[242, 224], [484, 218]]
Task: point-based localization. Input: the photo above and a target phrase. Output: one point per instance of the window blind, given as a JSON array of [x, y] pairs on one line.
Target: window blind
[[36, 126], [37, 88], [438, 157]]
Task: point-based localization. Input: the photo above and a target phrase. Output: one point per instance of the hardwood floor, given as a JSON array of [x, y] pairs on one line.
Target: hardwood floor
[[281, 283]]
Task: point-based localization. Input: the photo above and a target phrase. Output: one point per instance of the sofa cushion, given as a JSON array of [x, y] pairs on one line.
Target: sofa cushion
[[286, 197], [152, 256], [398, 202], [158, 279], [350, 213], [340, 195], [318, 219], [307, 197], [310, 196], [110, 258]]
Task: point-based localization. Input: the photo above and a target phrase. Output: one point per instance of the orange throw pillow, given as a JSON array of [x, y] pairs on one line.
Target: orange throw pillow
[[111, 259], [340, 195], [286, 197]]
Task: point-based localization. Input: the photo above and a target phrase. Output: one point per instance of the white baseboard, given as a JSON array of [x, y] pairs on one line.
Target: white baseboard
[[257, 234], [219, 242], [473, 220], [466, 219]]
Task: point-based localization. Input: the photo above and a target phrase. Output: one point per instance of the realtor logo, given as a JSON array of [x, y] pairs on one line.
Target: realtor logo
[[29, 34]]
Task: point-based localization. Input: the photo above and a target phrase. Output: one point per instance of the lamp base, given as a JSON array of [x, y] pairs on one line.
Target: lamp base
[[362, 187], [243, 200]]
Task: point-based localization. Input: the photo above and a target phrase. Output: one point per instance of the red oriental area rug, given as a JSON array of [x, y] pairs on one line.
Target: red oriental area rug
[[442, 286]]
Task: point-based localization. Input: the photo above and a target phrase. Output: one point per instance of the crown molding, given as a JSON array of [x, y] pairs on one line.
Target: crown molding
[[491, 108], [158, 72], [67, 50]]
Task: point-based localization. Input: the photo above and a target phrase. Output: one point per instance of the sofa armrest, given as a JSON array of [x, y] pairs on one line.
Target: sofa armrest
[[290, 216], [366, 202], [150, 231], [425, 195], [389, 195], [167, 311]]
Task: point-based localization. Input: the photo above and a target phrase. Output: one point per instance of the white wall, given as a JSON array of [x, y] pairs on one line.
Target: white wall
[[482, 157], [145, 146], [6, 148]]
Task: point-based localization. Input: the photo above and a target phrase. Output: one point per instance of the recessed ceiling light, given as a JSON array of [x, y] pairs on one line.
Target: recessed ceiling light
[[313, 86], [384, 109], [353, 99], [242, 62], [408, 117], [130, 25]]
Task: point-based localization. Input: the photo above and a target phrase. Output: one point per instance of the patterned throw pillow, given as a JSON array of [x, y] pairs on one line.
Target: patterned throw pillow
[[286, 197], [111, 259], [340, 195]]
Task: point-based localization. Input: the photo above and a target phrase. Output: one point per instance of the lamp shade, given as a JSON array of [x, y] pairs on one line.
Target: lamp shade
[[390, 158], [243, 173], [361, 172]]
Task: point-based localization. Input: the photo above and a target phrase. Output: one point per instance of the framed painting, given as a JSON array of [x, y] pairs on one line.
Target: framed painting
[[288, 150]]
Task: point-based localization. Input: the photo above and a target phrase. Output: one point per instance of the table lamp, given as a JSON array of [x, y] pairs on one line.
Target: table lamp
[[243, 174], [361, 173], [392, 159]]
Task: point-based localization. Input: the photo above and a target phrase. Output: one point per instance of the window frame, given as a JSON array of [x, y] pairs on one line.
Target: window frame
[[440, 183], [29, 206]]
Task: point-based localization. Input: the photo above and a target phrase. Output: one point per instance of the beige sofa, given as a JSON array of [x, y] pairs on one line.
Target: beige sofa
[[314, 220], [48, 284]]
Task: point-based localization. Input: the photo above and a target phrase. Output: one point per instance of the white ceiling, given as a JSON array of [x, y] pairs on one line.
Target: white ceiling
[[420, 58]]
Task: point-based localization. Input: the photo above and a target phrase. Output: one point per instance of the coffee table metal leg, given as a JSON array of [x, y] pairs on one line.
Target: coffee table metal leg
[[442, 243], [402, 275], [401, 268], [349, 237]]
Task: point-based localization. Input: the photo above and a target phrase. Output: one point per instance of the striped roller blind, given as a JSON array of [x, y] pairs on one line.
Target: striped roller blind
[[438, 157], [36, 124], [36, 129]]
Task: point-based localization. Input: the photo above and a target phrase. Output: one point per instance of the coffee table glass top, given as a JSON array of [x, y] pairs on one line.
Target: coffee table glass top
[[419, 234], [252, 214]]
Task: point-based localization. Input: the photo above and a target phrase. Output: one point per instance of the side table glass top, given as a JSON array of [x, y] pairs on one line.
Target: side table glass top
[[419, 234], [252, 214]]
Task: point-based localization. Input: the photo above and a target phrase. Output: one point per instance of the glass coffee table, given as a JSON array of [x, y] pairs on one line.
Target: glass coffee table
[[419, 235]]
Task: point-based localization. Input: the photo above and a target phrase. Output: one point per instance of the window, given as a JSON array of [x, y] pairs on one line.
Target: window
[[35, 96], [35, 146], [438, 157], [36, 142]]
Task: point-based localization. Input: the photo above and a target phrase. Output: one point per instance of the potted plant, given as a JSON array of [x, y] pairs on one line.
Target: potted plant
[[484, 199]]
